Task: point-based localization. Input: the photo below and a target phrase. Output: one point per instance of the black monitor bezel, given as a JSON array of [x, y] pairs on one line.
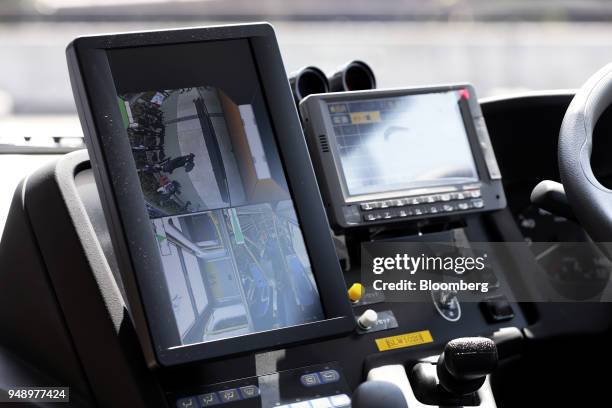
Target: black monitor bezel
[[118, 184], [316, 121]]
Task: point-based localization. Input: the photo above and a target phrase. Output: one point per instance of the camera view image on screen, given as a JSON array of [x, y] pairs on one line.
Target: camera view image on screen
[[233, 253], [401, 143]]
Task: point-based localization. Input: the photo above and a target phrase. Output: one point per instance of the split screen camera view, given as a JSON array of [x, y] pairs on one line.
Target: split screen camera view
[[234, 257]]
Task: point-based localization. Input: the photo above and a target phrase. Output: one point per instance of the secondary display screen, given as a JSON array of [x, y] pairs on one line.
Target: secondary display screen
[[232, 249], [401, 143]]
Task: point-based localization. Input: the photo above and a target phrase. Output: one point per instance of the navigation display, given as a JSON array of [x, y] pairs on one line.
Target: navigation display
[[401, 142], [232, 249]]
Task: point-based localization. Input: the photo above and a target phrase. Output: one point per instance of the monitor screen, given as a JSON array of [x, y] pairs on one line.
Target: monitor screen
[[231, 245], [401, 143]]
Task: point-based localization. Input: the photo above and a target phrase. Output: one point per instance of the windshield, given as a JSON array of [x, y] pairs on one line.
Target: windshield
[[499, 46]]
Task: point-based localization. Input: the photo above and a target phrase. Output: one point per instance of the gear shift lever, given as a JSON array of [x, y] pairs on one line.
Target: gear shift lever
[[465, 363], [460, 372]]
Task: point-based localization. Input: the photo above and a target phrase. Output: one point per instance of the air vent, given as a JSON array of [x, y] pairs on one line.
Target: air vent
[[323, 143]]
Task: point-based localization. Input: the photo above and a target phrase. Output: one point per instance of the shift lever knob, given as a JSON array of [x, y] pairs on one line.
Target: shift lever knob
[[465, 363]]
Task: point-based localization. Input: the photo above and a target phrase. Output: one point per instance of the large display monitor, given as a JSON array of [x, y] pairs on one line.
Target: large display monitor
[[222, 250], [388, 156]]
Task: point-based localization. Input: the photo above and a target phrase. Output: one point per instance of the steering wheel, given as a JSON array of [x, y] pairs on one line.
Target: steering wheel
[[590, 200]]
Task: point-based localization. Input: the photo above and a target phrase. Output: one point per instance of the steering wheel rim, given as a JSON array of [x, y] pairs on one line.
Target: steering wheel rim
[[589, 199]]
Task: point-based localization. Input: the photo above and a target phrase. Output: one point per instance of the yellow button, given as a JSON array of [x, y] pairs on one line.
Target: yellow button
[[355, 292]]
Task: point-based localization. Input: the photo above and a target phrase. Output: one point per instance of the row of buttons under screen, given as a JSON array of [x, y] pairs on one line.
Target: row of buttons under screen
[[322, 377], [220, 397], [252, 391], [429, 199], [335, 401], [423, 210]]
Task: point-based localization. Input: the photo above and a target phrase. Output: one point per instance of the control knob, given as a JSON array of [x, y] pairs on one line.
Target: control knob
[[367, 319]]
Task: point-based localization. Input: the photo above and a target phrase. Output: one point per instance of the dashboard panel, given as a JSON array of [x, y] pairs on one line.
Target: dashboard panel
[[92, 303], [87, 305]]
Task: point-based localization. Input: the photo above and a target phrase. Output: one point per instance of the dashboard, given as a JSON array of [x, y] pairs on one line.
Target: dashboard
[[217, 230]]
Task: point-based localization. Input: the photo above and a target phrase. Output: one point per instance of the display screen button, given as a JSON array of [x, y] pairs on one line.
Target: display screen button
[[189, 402], [249, 391], [478, 203], [321, 403], [340, 401], [329, 376], [229, 395], [210, 399], [310, 380]]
